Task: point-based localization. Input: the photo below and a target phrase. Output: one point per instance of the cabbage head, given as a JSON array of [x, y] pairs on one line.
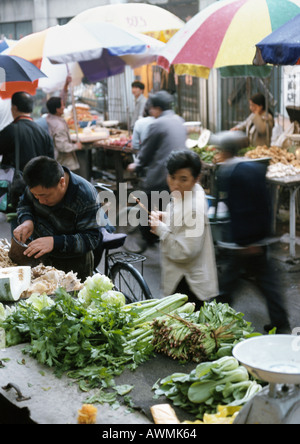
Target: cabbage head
[[114, 298], [94, 287]]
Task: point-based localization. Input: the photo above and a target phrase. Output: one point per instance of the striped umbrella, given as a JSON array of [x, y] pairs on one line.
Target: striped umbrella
[[225, 34]]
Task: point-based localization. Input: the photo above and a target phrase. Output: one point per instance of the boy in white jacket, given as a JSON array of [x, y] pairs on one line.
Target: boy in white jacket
[[188, 257]]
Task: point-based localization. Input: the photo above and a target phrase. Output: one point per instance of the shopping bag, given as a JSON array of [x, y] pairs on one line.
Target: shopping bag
[[10, 182]]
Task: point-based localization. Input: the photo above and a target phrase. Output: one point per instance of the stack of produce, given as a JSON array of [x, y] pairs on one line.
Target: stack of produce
[[205, 335], [93, 337], [44, 279], [210, 384], [280, 170], [206, 153], [277, 155], [83, 115]]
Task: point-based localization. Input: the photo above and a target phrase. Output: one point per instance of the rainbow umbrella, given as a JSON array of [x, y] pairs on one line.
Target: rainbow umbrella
[[225, 34], [282, 47]]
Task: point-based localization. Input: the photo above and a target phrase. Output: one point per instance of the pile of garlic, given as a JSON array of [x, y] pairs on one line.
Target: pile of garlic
[[281, 170]]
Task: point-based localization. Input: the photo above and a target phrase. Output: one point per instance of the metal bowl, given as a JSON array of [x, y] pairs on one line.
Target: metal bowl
[[273, 358]]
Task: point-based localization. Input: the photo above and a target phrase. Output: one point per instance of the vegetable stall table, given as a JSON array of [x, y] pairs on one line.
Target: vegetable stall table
[[93, 143], [118, 152], [31, 393], [67, 351], [85, 155], [293, 184]]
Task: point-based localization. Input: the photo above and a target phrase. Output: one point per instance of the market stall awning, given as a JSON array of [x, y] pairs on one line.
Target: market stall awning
[[281, 47], [137, 17], [100, 49]]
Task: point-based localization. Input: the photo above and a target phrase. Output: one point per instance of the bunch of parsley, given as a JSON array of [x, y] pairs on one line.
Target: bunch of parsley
[[87, 344]]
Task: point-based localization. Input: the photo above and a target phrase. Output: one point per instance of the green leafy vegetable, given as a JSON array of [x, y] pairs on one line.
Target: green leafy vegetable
[[113, 297], [94, 287], [200, 336], [221, 382], [40, 301]]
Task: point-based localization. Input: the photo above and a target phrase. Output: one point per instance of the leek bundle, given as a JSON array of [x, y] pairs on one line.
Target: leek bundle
[[202, 336]]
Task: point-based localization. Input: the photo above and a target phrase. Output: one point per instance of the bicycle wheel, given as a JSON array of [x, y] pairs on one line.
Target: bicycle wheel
[[129, 281]]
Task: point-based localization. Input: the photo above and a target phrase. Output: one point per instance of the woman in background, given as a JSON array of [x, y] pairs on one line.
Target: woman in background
[[259, 124]]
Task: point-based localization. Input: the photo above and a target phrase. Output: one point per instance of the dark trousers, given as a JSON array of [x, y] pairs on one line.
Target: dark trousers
[[257, 264], [146, 230], [183, 288]]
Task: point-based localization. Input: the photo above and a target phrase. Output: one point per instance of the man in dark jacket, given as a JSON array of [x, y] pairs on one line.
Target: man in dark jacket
[[58, 213], [166, 134], [243, 185], [33, 140]]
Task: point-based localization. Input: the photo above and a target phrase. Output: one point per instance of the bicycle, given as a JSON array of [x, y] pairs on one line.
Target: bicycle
[[118, 266]]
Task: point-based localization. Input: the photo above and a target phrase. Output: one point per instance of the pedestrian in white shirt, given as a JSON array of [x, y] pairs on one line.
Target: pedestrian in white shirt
[[188, 257]]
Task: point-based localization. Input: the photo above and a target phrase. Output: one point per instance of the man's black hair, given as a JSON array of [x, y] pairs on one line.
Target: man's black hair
[[179, 160], [53, 104], [43, 171], [138, 84], [161, 99], [23, 101]]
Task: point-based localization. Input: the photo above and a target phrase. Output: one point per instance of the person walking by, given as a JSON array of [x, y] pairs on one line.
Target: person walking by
[[141, 127], [65, 149], [187, 250], [244, 188], [166, 134]]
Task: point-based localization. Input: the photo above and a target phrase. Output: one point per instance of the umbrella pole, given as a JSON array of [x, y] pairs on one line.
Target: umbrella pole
[[73, 107], [267, 88], [127, 103]]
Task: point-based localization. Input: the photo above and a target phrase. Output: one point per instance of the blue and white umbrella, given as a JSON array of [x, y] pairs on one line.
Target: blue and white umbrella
[[17, 74], [281, 47]]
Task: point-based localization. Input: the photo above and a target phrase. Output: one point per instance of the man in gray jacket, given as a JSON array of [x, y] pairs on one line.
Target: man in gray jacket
[[166, 134]]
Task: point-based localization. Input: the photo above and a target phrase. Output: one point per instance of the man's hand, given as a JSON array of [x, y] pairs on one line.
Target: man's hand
[[154, 220], [131, 167], [40, 247], [24, 231]]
